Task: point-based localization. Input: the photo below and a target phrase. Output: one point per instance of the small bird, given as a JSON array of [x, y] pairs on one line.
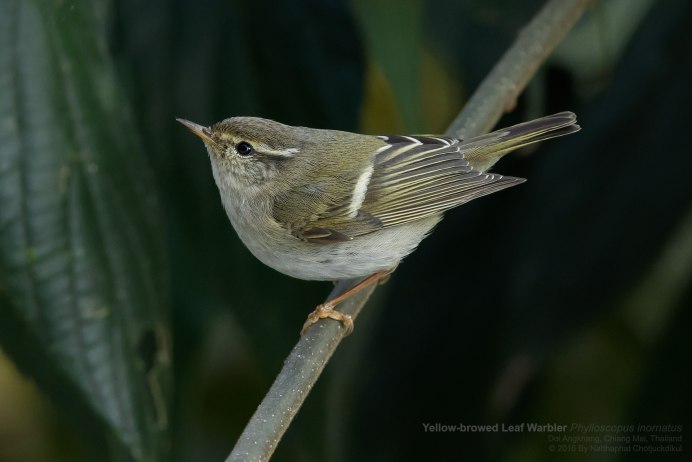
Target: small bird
[[327, 205]]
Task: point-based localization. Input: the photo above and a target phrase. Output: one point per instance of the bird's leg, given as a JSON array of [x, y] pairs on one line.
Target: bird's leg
[[326, 309]]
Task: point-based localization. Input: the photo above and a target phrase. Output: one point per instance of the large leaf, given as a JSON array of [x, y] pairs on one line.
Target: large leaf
[[83, 298]]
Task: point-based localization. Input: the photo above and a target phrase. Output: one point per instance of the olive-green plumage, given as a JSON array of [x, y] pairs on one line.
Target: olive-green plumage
[[326, 204]]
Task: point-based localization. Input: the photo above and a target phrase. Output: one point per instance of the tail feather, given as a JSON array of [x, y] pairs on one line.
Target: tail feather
[[483, 151]]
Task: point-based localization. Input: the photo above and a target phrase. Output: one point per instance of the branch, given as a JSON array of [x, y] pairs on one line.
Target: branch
[[499, 91], [305, 363], [301, 370]]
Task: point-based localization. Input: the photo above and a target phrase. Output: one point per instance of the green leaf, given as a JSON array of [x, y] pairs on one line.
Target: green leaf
[[82, 292]]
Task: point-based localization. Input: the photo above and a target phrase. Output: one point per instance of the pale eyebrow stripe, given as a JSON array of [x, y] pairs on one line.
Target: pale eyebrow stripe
[[288, 152]]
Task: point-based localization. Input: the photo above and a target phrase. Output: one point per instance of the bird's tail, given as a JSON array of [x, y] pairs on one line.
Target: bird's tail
[[483, 151]]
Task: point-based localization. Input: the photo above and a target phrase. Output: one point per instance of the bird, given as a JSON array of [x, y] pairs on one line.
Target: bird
[[319, 204]]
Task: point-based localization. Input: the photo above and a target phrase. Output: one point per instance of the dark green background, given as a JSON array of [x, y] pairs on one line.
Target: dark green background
[[566, 299]]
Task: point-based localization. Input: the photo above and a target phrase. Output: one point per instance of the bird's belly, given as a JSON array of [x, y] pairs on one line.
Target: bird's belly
[[364, 255]]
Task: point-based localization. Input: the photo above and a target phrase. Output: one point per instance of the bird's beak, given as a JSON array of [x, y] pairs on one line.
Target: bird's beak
[[199, 130]]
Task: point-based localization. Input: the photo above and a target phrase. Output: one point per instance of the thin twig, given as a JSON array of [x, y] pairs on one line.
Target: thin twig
[[301, 370], [305, 363], [499, 91]]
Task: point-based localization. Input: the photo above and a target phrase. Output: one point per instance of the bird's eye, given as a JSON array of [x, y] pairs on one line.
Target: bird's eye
[[244, 149]]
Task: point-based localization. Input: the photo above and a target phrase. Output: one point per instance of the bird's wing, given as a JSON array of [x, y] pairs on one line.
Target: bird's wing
[[408, 178], [419, 176]]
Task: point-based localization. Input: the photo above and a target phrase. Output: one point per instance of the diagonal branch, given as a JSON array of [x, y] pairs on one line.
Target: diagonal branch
[[497, 94], [301, 370], [499, 91]]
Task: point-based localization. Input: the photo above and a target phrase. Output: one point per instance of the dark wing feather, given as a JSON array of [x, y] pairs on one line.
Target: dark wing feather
[[417, 177], [412, 178], [316, 213]]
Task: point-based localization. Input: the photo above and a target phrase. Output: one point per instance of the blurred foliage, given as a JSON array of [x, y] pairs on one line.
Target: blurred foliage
[[564, 300], [82, 294]]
